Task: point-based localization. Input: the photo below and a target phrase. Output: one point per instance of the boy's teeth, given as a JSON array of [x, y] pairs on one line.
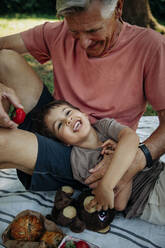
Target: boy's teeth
[[76, 126]]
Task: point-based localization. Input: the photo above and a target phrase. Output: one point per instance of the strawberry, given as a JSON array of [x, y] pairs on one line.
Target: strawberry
[[82, 244], [19, 116]]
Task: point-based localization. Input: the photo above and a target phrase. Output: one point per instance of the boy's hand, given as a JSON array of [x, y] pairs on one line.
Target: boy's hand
[[108, 146], [104, 197]]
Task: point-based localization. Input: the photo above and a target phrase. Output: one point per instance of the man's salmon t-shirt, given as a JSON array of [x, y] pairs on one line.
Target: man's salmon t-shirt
[[117, 85]]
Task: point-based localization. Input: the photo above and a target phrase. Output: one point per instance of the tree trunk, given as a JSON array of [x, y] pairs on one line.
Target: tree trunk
[[138, 12]]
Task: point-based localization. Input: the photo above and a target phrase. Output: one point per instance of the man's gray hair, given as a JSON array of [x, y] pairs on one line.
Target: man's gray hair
[[70, 7]]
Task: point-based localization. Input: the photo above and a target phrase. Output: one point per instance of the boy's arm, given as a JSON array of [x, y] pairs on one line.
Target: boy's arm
[[125, 152], [123, 157]]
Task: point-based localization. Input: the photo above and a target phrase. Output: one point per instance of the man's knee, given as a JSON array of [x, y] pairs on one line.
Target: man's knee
[[4, 140], [7, 59], [120, 207]]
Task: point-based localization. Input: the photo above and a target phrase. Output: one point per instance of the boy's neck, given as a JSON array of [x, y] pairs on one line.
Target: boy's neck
[[92, 141]]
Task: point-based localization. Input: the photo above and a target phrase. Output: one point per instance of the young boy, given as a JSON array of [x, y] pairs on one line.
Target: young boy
[[62, 121], [144, 197]]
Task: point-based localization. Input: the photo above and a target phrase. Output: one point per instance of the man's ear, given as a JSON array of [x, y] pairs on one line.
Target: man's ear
[[119, 9]]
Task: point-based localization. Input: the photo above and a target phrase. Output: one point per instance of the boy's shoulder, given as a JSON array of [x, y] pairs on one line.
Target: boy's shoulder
[[109, 128], [103, 123]]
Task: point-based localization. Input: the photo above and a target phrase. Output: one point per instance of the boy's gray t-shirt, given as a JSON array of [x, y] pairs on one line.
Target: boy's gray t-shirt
[[82, 159]]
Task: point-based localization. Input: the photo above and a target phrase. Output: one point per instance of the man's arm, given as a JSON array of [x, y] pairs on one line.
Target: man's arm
[[19, 84], [156, 145], [156, 142], [121, 199], [13, 42]]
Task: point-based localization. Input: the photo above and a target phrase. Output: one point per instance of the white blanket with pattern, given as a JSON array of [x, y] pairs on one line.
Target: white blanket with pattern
[[124, 233]]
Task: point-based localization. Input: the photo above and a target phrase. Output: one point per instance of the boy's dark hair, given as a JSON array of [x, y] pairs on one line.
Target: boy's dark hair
[[38, 117]]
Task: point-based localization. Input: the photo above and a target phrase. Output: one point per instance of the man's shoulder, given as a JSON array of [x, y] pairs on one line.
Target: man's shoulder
[[143, 33], [55, 32], [56, 26]]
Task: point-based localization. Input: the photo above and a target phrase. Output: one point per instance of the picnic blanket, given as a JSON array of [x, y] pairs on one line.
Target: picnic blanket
[[124, 233]]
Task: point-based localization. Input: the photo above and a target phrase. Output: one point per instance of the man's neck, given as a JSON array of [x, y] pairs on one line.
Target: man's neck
[[115, 35]]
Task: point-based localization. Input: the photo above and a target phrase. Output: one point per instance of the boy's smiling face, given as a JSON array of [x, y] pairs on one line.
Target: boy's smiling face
[[68, 124]]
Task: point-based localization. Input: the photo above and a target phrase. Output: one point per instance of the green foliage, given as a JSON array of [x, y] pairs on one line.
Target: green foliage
[[27, 6], [158, 8], [48, 7]]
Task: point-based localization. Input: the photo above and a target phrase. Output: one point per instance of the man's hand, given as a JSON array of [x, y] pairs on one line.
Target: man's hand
[[98, 172], [7, 96]]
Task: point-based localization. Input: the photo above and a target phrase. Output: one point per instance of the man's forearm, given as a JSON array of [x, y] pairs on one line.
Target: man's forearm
[[156, 142], [13, 42], [156, 145], [123, 196]]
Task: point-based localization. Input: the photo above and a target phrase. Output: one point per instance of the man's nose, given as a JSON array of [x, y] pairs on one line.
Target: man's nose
[[85, 42]]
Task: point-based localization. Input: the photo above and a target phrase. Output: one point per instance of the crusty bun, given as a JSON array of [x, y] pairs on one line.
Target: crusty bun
[[52, 238], [27, 227]]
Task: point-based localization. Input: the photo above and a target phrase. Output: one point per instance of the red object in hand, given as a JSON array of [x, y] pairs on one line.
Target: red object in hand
[[82, 244], [19, 116]]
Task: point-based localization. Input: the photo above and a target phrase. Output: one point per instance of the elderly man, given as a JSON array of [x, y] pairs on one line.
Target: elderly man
[[102, 65]]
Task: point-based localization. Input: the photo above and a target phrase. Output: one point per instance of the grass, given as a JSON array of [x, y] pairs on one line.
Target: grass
[[11, 24], [16, 23]]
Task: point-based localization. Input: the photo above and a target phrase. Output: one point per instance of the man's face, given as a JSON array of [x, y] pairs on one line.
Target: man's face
[[69, 125], [94, 32]]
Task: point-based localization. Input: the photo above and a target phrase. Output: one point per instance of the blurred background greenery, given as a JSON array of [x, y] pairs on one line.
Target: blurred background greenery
[[19, 15], [48, 7]]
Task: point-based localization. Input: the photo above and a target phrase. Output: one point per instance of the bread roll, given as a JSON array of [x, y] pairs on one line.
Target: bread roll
[[27, 227]]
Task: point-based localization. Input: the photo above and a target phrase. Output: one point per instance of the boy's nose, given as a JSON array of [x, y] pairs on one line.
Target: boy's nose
[[69, 120]]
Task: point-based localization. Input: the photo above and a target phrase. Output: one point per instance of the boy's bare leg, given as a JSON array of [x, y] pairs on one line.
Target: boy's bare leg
[[18, 148]]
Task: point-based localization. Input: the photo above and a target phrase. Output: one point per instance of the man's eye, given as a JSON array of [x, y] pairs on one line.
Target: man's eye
[[92, 31], [74, 33], [68, 112], [59, 125]]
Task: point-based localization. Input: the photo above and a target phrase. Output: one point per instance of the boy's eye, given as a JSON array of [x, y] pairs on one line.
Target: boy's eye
[[59, 125], [68, 112]]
